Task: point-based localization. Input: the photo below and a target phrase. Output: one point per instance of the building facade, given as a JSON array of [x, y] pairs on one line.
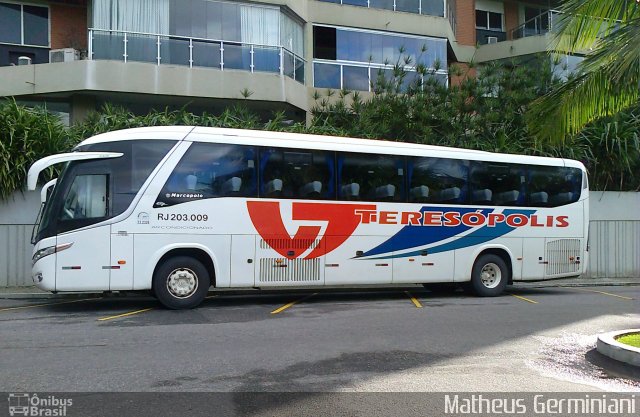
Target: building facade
[[74, 55]]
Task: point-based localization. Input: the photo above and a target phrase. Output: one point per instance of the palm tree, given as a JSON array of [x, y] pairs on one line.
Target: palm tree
[[608, 79]]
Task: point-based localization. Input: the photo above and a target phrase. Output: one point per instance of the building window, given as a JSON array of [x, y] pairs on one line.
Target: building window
[[24, 24], [425, 7], [354, 59], [488, 20]]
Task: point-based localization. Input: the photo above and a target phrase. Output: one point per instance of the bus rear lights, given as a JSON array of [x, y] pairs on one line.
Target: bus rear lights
[[49, 251]]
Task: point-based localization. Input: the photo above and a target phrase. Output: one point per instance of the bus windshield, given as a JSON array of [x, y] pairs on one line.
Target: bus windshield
[[91, 191]]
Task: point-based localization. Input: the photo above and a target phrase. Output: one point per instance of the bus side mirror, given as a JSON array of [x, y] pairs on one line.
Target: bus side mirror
[[47, 189]]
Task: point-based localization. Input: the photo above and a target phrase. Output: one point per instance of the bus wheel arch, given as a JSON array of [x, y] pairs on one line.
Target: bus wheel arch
[[182, 277], [492, 271], [200, 254]]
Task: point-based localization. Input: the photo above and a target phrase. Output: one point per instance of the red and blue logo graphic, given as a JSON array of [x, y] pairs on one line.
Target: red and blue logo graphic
[[342, 220], [421, 229]]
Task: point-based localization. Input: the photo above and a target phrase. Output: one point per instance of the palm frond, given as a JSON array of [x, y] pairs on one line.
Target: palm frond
[[582, 23], [579, 101], [608, 79]]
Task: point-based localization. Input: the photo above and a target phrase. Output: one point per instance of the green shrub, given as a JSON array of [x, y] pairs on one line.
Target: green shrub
[[26, 135], [484, 112]]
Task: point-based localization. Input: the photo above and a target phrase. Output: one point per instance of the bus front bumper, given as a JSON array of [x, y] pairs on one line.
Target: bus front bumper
[[43, 273]]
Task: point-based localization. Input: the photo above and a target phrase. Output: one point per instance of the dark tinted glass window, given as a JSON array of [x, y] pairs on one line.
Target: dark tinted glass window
[[210, 170], [36, 25], [495, 21], [370, 177], [497, 184], [91, 191], [553, 186], [87, 198], [438, 180], [83, 196], [481, 19], [129, 172], [10, 29], [324, 43], [294, 173]]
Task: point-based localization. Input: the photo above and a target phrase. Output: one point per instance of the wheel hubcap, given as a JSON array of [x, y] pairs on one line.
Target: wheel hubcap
[[182, 282], [491, 275]]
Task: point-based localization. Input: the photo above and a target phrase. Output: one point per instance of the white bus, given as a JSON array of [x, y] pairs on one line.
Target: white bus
[[176, 210]]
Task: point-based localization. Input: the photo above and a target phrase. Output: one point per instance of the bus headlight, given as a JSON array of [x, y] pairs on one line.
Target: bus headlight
[[48, 251]]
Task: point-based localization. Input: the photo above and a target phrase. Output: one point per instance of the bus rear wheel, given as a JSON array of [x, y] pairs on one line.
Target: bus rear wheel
[[489, 276], [181, 282]]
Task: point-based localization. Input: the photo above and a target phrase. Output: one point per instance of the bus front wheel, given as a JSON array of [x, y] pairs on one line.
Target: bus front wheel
[[489, 276], [181, 282]]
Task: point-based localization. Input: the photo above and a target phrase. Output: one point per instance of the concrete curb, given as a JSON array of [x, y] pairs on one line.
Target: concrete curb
[[34, 293], [609, 346]]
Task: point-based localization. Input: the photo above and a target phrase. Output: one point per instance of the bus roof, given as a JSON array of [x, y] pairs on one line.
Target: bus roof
[[317, 142]]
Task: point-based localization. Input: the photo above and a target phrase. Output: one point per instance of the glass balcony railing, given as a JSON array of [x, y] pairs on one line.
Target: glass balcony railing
[[194, 52], [536, 26], [363, 77], [425, 7]]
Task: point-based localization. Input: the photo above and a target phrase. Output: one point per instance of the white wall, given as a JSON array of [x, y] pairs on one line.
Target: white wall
[[614, 236]]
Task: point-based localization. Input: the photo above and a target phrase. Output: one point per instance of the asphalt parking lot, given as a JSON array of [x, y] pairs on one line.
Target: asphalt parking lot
[[395, 339]]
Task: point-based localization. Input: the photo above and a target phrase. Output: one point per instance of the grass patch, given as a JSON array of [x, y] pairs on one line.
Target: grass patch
[[632, 339]]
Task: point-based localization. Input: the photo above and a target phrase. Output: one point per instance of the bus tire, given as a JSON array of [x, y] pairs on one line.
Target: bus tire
[[181, 282], [489, 276]]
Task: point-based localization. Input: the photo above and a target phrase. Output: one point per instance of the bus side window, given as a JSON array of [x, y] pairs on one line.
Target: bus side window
[[435, 180], [496, 183], [315, 178], [553, 186], [212, 170], [350, 177], [370, 177], [296, 173]]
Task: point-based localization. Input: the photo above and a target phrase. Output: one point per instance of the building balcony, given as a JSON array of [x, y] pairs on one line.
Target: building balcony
[[194, 52], [538, 26]]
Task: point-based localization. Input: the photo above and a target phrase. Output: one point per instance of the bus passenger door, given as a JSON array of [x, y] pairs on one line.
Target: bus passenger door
[[121, 265], [80, 267]]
